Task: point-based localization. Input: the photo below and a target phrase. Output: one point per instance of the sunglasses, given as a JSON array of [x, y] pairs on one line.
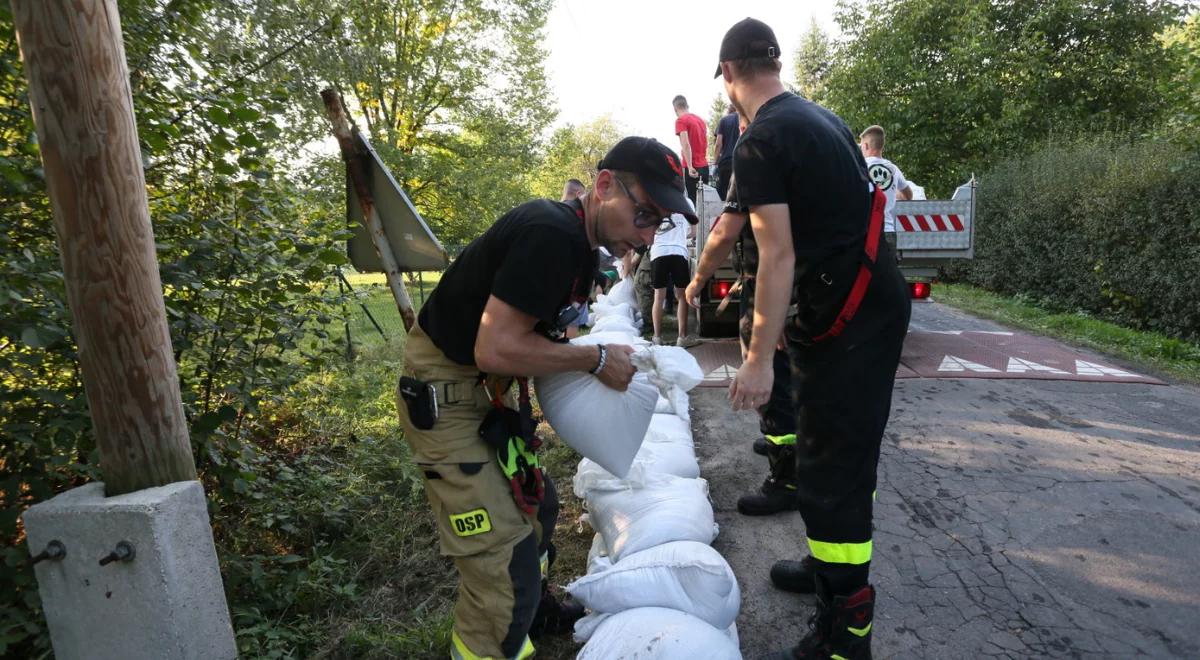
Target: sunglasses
[[646, 217]]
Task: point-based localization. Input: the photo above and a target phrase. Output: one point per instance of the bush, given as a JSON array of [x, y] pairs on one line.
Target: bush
[[1098, 225]]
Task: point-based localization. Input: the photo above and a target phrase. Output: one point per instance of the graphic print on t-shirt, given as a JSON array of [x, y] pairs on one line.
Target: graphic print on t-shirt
[[882, 175]]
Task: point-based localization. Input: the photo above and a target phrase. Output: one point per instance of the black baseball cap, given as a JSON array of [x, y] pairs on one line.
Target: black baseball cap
[[656, 167], [747, 39]]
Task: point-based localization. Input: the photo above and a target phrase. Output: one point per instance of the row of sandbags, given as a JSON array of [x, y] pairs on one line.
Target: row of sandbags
[[655, 588]]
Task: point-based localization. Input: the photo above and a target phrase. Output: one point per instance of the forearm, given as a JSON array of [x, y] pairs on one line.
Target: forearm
[[716, 250], [772, 295], [531, 354], [685, 152]]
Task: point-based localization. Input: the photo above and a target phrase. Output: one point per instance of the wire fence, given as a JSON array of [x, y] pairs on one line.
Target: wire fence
[[372, 316]]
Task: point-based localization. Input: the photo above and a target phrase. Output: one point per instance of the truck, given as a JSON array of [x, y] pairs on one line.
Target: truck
[[929, 233]]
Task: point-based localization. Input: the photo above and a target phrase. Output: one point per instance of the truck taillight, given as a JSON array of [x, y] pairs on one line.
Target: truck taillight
[[919, 290], [720, 288]]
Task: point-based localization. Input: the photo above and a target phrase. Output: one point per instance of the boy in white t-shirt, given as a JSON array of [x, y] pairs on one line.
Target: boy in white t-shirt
[[669, 267], [885, 174]]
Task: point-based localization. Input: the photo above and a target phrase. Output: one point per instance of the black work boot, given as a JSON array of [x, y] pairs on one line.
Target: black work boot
[[760, 446], [795, 576], [774, 496], [555, 614], [839, 628]]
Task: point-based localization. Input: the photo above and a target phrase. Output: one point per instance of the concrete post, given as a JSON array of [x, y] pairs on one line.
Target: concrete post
[[165, 601]]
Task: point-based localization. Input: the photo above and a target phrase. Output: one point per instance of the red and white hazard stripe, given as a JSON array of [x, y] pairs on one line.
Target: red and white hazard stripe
[[930, 222]]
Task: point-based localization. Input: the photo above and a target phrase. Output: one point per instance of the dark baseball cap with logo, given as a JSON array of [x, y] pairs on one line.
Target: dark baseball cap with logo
[[656, 167], [748, 39]]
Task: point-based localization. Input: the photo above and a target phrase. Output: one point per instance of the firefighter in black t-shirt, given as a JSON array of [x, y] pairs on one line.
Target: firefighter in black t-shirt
[[777, 417], [499, 314], [818, 221]]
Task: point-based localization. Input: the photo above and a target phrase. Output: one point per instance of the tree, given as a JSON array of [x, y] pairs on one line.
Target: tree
[[716, 110], [958, 83], [572, 152], [452, 92], [814, 56]]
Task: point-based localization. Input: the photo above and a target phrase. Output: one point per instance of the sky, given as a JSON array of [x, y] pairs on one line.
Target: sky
[[629, 58]]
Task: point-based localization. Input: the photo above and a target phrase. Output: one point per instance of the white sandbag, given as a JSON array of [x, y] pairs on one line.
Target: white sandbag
[[686, 576], [663, 406], [597, 421], [673, 371], [616, 324], [603, 309], [596, 338], [654, 633], [623, 292], [668, 428], [671, 458], [669, 366], [732, 633], [597, 558], [664, 509]]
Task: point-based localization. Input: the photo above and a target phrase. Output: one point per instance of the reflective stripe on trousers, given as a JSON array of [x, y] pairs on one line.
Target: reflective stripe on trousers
[[840, 553], [459, 651]]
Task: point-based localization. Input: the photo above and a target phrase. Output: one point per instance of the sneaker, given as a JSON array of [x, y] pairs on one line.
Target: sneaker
[[686, 342], [657, 341]]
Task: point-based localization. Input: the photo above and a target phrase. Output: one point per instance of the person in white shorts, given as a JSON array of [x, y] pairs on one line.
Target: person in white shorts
[[669, 267]]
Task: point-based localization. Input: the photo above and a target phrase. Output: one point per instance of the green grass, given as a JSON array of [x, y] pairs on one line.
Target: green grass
[[1152, 350], [355, 470]]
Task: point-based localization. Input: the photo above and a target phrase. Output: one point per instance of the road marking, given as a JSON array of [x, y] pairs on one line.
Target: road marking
[[1018, 366], [721, 373], [954, 363], [956, 333], [1092, 369]]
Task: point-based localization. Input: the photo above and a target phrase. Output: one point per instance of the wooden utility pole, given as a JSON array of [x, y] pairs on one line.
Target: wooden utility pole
[[358, 179], [82, 107]]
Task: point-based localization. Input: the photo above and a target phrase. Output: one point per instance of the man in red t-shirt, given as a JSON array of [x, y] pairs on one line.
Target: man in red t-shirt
[[693, 145]]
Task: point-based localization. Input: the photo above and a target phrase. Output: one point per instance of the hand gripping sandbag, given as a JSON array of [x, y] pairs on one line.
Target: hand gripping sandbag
[[599, 422], [685, 575], [665, 509], [655, 633]]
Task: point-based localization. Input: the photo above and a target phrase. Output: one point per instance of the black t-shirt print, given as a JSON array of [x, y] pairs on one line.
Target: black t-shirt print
[[530, 259], [797, 153]]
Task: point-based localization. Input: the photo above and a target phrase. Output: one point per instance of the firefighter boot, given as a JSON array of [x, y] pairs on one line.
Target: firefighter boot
[[795, 576], [555, 614], [778, 492], [839, 628]]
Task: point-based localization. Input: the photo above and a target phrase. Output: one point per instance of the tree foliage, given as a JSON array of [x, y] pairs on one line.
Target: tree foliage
[[248, 223], [957, 83], [813, 59], [572, 152]]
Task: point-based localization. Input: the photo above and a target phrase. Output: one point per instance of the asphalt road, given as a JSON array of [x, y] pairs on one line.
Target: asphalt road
[[1015, 518]]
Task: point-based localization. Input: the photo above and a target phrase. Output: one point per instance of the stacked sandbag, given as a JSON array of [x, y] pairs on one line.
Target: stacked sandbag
[[655, 588]]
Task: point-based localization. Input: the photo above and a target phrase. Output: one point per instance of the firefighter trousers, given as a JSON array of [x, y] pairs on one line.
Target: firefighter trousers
[[843, 395], [777, 417], [501, 554]]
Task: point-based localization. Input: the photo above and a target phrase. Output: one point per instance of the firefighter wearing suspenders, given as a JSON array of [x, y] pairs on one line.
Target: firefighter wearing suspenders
[[777, 419], [818, 221], [497, 317]]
